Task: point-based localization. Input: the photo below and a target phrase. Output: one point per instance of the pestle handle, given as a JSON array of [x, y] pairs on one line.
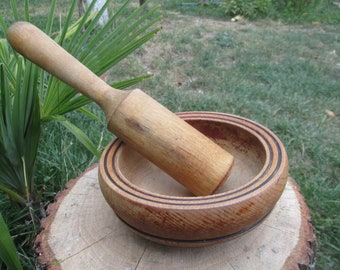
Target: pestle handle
[[152, 130], [35, 45]]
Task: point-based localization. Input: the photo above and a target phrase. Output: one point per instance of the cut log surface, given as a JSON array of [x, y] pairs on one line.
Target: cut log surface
[[82, 232]]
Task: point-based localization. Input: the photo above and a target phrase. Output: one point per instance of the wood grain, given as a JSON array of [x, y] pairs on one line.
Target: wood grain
[[81, 232], [154, 206]]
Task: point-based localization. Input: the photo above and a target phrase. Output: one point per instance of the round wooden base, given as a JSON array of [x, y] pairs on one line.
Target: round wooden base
[[82, 232]]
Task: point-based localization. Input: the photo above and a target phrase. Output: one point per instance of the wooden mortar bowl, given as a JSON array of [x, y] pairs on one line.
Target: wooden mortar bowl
[[156, 207]]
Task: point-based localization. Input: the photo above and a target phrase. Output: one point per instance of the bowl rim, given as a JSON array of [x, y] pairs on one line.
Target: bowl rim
[[269, 174]]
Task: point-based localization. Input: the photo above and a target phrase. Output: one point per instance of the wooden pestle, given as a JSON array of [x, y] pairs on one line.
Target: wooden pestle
[[141, 122]]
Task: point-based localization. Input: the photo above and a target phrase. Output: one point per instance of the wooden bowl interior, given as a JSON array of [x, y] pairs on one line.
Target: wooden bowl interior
[[247, 149]]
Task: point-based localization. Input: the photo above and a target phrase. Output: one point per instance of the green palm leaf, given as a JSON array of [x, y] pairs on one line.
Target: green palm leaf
[[78, 133], [20, 130], [8, 252]]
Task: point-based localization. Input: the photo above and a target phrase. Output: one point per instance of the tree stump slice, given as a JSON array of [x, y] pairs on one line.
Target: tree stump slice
[[82, 232]]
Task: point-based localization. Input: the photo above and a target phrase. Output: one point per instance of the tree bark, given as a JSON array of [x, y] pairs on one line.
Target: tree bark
[[98, 6]]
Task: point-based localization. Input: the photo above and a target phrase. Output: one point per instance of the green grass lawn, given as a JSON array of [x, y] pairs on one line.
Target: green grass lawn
[[284, 76]]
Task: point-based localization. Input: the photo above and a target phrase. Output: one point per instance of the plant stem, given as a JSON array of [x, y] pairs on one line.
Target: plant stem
[[29, 202]]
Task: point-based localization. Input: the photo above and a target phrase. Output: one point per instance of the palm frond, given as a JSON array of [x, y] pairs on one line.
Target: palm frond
[[12, 194], [19, 130], [130, 82], [8, 252], [78, 133], [9, 62], [14, 6], [50, 17], [99, 49]]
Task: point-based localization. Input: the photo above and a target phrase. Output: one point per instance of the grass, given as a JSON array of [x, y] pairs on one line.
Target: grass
[[320, 11], [284, 76]]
